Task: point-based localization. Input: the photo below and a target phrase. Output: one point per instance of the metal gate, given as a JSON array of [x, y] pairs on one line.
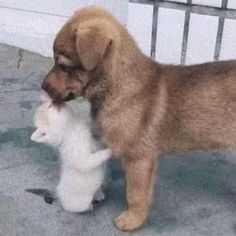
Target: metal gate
[[223, 13]]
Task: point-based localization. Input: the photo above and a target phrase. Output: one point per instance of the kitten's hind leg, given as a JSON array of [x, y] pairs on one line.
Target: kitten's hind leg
[[76, 203], [99, 195], [90, 207]]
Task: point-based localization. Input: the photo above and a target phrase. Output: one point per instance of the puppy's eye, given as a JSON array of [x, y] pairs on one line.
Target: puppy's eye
[[69, 70], [63, 68]]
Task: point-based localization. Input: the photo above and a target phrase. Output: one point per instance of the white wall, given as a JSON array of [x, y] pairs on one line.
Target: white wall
[[202, 33], [33, 24]]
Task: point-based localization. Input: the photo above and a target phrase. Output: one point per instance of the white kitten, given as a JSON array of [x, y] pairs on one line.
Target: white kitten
[[83, 166]]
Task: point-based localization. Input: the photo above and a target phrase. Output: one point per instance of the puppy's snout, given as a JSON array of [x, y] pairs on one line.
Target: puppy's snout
[[48, 89], [51, 91], [45, 86]]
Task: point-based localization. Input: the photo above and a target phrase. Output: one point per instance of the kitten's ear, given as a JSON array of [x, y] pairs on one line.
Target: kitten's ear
[[38, 136]]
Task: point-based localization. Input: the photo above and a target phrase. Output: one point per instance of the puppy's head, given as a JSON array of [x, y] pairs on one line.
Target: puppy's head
[[80, 49]]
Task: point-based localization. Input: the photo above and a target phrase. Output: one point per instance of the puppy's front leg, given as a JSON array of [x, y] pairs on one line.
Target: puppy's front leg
[[140, 178]]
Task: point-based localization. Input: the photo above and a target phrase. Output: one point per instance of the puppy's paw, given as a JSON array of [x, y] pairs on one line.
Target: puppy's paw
[[129, 221]]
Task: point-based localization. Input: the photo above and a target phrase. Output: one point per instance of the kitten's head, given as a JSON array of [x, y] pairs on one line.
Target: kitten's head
[[51, 121]]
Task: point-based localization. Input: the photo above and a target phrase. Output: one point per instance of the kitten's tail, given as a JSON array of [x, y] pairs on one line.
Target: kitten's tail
[[49, 196]]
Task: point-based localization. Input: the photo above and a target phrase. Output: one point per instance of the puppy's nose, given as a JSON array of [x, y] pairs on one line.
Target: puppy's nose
[[45, 86]]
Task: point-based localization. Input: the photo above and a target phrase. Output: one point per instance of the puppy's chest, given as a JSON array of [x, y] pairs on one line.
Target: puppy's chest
[[117, 128], [105, 127]]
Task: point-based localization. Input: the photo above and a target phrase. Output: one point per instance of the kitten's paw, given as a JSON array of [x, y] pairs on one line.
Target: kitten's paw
[[76, 203], [99, 195], [76, 208], [90, 207]]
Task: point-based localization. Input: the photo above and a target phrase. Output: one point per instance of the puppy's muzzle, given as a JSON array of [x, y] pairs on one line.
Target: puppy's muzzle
[[45, 86], [55, 95], [52, 92]]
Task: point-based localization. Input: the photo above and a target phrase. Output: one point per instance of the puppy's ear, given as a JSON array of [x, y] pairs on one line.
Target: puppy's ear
[[92, 43], [38, 136]]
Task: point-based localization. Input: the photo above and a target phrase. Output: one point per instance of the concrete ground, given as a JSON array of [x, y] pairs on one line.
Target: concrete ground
[[196, 193]]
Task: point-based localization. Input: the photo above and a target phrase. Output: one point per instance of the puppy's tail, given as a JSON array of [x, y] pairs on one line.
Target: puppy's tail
[[49, 196]]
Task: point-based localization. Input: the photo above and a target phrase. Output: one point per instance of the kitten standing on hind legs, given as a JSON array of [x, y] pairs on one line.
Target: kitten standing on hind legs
[[82, 164], [87, 178]]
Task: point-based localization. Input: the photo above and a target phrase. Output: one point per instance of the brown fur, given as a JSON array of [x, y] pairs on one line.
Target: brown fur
[[143, 109]]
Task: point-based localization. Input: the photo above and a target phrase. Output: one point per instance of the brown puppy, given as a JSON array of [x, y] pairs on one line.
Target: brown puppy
[[143, 109]]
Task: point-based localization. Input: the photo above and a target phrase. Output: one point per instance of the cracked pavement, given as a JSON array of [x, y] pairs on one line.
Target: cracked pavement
[[195, 194]]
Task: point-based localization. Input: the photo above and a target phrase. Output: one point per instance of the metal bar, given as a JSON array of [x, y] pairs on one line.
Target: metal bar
[[220, 32], [154, 31], [193, 8], [185, 35]]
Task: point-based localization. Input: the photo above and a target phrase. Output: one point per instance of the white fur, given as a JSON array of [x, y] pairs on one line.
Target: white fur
[[83, 166]]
